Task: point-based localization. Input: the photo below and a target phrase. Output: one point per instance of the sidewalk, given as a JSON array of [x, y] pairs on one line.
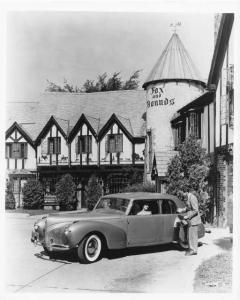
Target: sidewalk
[[182, 272], [217, 242]]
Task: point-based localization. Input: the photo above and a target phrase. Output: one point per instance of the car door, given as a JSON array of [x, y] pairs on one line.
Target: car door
[[141, 228], [166, 221]]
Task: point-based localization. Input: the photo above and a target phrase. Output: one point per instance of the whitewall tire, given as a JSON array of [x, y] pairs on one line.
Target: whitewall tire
[[90, 249]]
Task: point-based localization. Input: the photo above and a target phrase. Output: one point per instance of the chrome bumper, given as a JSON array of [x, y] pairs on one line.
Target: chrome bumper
[[57, 247]]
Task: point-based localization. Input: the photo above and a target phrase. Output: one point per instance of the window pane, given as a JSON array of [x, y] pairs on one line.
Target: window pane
[[16, 150], [119, 143], [112, 144], [58, 145], [172, 207], [85, 144], [89, 144], [166, 209], [50, 146]]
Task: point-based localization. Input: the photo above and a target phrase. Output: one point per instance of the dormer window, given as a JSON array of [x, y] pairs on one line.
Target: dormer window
[[16, 150], [84, 144], [54, 145], [114, 143]]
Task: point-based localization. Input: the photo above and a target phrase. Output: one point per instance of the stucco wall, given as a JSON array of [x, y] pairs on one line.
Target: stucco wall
[[163, 100]]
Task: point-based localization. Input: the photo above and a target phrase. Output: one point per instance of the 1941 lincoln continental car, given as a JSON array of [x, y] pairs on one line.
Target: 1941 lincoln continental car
[[117, 221]]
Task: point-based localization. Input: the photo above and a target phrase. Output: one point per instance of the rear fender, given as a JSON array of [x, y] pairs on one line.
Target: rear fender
[[115, 237]]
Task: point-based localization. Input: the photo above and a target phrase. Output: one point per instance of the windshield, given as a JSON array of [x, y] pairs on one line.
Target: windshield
[[113, 203]]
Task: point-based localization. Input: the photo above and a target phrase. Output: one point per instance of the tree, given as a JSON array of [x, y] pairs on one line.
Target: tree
[[114, 83], [66, 193], [9, 197], [190, 168], [101, 83], [33, 194], [132, 82], [89, 86], [93, 192], [53, 87], [69, 88]]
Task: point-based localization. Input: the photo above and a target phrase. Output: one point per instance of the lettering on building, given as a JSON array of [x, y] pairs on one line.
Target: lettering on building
[[158, 98]]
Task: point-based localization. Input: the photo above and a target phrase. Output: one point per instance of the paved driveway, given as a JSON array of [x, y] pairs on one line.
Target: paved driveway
[[151, 269]]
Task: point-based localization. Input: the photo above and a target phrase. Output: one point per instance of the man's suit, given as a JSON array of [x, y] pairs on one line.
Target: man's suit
[[195, 220]]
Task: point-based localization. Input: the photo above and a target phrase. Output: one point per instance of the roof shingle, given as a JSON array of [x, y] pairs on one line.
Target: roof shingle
[[67, 108]]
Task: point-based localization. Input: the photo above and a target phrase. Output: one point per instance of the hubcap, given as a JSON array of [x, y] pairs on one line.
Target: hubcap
[[93, 248]]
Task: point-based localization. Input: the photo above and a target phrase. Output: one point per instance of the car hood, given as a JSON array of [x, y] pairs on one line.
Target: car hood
[[98, 215]]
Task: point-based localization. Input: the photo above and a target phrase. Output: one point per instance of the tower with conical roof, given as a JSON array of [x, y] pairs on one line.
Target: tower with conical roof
[[173, 82]]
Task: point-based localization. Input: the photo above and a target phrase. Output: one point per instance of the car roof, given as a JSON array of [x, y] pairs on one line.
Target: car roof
[[144, 196]]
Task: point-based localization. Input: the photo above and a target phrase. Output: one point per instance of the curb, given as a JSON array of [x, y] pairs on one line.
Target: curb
[[17, 215], [27, 215]]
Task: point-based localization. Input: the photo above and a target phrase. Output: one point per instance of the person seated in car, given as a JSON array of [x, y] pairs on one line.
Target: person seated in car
[[145, 210], [106, 203]]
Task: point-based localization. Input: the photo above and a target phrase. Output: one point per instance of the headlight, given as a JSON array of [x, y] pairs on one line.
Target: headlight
[[67, 229]]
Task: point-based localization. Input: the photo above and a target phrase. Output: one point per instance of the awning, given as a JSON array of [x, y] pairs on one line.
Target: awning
[[161, 161]]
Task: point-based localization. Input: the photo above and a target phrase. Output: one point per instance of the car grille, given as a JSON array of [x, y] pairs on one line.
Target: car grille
[[56, 236]]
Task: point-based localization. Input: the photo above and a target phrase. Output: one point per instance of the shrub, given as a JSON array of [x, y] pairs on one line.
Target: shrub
[[66, 193], [93, 192], [141, 187], [33, 195], [9, 197], [190, 168]]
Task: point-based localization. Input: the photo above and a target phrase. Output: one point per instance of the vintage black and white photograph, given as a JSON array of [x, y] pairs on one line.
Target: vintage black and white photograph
[[119, 152]]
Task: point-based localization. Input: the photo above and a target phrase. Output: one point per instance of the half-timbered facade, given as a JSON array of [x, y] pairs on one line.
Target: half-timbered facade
[[207, 116], [221, 77], [20, 159], [79, 140], [103, 133]]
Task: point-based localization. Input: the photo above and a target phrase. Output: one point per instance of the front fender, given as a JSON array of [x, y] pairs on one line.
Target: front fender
[[116, 237]]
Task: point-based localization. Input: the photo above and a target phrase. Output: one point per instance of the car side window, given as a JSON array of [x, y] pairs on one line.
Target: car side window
[[173, 207], [168, 207], [136, 208], [144, 207]]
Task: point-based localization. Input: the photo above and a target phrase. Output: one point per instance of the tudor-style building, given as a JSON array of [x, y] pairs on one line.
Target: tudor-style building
[[81, 141], [103, 133], [221, 77], [20, 159], [210, 119], [208, 116]]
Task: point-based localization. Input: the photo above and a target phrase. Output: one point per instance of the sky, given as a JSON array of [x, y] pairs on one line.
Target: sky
[[77, 46]]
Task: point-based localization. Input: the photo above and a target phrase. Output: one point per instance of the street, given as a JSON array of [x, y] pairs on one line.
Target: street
[[150, 269]]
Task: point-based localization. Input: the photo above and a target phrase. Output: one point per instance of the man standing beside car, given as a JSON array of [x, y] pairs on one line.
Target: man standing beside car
[[193, 218]]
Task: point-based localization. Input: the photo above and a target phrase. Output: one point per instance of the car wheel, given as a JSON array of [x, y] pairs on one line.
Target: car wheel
[[90, 249], [182, 239]]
